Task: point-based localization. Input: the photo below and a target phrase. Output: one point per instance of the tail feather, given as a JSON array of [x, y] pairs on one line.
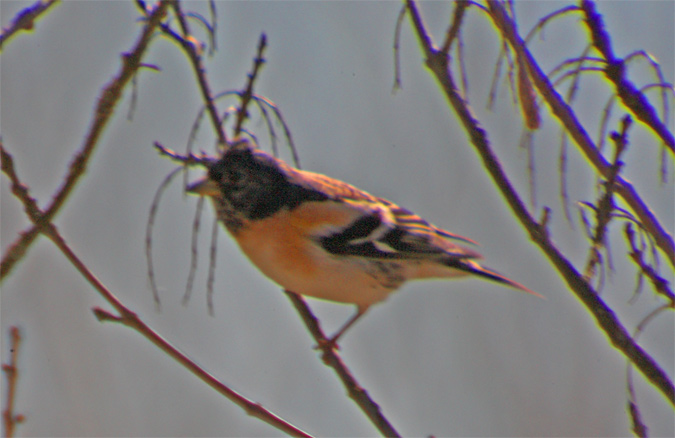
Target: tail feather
[[472, 267]]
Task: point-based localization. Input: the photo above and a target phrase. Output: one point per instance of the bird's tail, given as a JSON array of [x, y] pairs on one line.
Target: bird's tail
[[471, 267]]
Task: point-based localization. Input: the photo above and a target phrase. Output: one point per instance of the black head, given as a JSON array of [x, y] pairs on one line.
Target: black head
[[255, 184]]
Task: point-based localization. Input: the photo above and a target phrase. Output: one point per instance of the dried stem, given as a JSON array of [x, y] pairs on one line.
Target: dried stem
[[605, 205]]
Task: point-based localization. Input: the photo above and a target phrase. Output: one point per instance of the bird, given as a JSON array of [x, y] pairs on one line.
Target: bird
[[323, 238]]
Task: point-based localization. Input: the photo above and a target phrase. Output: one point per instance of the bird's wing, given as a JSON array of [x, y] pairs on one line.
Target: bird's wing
[[380, 228]]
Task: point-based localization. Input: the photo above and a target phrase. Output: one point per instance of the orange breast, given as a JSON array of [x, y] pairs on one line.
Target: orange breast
[[284, 245]]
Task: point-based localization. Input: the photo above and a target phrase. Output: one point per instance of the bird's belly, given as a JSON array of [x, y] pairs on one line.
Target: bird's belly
[[298, 263]]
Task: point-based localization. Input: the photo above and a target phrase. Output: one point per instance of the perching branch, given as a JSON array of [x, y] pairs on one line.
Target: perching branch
[[333, 360]]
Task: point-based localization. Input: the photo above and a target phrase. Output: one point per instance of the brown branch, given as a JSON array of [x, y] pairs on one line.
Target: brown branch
[[630, 96], [129, 318], [25, 20], [661, 285], [453, 30], [187, 42], [605, 205], [567, 118], [110, 96], [186, 160], [10, 419], [437, 62], [333, 360], [258, 61], [639, 428]]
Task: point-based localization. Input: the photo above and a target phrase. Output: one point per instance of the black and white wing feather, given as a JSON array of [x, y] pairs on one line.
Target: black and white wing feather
[[381, 229]]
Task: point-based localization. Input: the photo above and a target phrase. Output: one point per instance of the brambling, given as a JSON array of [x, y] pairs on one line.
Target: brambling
[[323, 238]]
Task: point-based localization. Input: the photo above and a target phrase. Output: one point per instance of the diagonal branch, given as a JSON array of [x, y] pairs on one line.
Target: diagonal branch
[[333, 360], [110, 96], [563, 112], [437, 62]]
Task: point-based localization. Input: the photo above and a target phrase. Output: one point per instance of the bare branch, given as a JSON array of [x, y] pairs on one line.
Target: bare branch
[[453, 30], [25, 20], [110, 96], [333, 360], [630, 96], [187, 43], [438, 64], [605, 205], [246, 96], [10, 419]]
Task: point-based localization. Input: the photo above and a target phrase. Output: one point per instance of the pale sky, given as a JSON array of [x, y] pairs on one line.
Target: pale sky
[[462, 358]]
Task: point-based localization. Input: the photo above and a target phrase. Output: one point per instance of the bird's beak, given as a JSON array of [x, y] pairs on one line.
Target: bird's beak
[[204, 187]]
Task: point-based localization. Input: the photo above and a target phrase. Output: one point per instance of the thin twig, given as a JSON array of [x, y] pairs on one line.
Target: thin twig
[[661, 285], [10, 419], [148, 234], [187, 43], [258, 61], [397, 51], [639, 428], [194, 250], [605, 205]]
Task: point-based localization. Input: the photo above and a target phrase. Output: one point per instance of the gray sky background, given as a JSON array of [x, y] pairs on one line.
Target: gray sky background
[[464, 358]]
